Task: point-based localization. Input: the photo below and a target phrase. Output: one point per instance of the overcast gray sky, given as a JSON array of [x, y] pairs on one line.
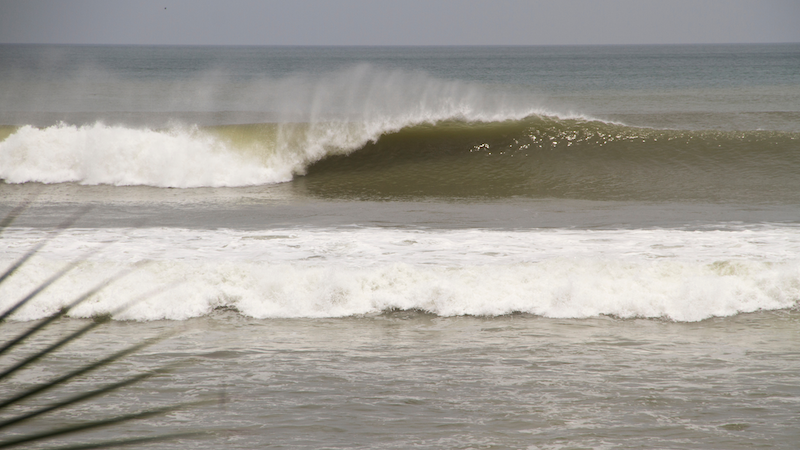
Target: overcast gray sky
[[396, 22]]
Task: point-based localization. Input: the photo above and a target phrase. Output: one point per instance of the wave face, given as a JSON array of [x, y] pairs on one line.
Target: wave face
[[670, 274], [421, 155], [544, 156]]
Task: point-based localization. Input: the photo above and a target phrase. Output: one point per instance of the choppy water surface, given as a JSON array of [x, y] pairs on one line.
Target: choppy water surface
[[403, 379]]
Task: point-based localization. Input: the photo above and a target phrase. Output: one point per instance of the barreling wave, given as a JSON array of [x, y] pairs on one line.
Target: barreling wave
[[547, 156], [307, 117], [534, 156], [186, 156]]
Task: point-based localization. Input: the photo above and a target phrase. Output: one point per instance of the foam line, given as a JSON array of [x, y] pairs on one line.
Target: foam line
[[669, 274]]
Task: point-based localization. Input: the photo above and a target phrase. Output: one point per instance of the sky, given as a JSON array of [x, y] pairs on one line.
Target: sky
[[405, 22]]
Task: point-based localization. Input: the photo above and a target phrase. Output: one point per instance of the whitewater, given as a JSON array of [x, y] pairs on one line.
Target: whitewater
[[668, 274]]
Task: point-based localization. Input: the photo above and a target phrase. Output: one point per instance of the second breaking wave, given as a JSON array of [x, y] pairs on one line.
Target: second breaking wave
[[681, 275]]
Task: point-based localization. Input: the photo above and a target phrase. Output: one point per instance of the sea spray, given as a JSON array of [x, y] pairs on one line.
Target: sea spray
[[308, 117]]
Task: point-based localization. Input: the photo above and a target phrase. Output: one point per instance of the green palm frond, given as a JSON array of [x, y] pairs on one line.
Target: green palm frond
[[10, 402]]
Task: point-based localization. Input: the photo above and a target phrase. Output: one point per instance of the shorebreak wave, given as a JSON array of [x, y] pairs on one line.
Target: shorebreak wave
[[670, 274]]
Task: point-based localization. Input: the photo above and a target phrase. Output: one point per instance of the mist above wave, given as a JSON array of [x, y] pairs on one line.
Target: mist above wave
[[309, 116]]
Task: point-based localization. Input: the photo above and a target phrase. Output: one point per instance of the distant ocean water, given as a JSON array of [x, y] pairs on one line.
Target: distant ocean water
[[511, 247]]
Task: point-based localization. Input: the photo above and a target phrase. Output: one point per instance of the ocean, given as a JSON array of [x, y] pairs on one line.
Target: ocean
[[431, 247]]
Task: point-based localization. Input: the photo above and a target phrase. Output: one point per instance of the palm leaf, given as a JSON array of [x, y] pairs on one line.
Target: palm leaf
[[20, 397]]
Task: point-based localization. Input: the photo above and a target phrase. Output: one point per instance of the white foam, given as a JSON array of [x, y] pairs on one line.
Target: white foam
[[673, 274], [115, 155]]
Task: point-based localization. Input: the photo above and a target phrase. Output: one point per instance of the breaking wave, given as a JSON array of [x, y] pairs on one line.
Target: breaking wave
[[366, 132], [303, 119], [533, 156], [670, 274]]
